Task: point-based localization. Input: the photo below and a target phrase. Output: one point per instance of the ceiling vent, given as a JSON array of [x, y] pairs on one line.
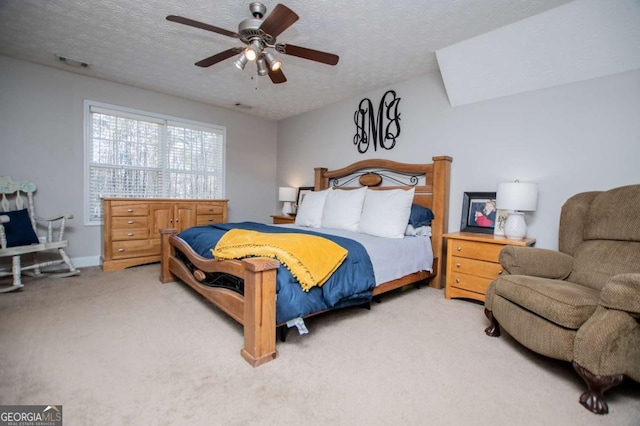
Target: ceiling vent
[[72, 62]]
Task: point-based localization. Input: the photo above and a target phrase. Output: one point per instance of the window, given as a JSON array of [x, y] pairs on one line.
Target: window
[[143, 155]]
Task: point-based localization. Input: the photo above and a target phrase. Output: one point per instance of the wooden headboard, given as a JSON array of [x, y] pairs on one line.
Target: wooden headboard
[[431, 182]]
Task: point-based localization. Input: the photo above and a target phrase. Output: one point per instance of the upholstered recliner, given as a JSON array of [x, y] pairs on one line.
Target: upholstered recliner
[[582, 303]]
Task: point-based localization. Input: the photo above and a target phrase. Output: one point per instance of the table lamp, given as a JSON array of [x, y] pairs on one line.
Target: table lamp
[[288, 195], [516, 197]]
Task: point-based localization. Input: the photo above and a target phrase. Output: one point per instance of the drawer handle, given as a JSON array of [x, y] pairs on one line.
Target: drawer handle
[[130, 234], [210, 210], [457, 265], [130, 222], [130, 210], [121, 250], [459, 248], [457, 280]]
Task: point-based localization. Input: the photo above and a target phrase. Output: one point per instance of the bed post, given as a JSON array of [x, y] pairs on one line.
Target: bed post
[[167, 251], [321, 182], [259, 311], [440, 225]]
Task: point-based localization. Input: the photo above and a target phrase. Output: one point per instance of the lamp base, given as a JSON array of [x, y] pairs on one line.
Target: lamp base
[[287, 208], [515, 226]]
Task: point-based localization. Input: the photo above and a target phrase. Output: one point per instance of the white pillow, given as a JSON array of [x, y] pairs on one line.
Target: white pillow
[[310, 211], [343, 208], [386, 212]]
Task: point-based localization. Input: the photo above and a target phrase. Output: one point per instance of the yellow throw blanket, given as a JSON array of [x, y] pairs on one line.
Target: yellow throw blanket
[[311, 259]]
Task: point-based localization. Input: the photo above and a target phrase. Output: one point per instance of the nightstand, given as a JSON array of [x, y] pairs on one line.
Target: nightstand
[[281, 219], [472, 262]]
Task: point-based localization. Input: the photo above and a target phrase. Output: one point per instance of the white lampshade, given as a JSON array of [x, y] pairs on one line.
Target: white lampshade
[[288, 195], [516, 197]]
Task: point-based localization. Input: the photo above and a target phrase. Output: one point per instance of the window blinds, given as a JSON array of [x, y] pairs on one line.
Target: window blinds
[[132, 155]]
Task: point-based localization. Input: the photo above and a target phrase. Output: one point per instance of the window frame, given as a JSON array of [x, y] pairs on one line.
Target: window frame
[[161, 119]]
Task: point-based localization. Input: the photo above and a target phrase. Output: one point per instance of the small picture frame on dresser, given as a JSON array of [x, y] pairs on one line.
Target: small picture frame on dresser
[[501, 219]]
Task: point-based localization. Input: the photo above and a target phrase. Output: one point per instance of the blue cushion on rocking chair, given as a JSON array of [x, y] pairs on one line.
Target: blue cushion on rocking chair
[[18, 230]]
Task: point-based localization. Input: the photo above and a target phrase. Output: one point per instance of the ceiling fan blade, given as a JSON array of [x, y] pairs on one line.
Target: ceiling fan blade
[[280, 18], [277, 77], [212, 60], [311, 54], [201, 25]]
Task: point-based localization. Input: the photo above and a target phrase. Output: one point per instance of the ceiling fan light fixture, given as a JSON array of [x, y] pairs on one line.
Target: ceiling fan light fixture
[[262, 67], [258, 34], [253, 50], [274, 64], [240, 61]]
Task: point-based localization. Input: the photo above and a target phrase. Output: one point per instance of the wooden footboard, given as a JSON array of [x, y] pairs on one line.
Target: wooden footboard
[[256, 311]]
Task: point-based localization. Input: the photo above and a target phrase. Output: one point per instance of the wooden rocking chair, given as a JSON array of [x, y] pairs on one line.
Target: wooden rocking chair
[[18, 235]]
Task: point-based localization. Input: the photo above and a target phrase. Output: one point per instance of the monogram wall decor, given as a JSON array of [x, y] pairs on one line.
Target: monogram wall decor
[[381, 129]]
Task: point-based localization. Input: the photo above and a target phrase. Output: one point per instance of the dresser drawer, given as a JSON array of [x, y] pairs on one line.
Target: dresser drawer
[[136, 248], [475, 250], [470, 282], [130, 210], [480, 268], [208, 219], [209, 209], [130, 234], [129, 222]]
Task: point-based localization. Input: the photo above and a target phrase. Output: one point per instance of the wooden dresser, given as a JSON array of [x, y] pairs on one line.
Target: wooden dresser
[[472, 262], [131, 231]]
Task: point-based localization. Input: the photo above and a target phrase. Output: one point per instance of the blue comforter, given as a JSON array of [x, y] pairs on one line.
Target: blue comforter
[[351, 284]]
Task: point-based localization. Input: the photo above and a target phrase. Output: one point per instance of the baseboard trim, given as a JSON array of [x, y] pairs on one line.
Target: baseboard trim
[[86, 262]]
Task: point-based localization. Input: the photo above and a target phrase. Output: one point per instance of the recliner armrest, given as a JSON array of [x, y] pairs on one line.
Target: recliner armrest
[[622, 292], [536, 262]]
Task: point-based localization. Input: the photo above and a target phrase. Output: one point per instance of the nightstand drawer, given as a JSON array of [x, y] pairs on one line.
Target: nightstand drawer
[[472, 262], [475, 267], [470, 282], [283, 219], [476, 250]]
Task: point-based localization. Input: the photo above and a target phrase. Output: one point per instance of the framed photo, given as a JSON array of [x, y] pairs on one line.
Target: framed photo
[[478, 212], [302, 191], [501, 219]]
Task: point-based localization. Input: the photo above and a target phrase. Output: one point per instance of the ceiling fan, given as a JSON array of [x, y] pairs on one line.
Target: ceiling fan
[[259, 35]]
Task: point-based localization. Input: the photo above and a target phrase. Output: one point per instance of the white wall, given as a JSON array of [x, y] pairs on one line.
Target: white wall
[[571, 138], [41, 139]]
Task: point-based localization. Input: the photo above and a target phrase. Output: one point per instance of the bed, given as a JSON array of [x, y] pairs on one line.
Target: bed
[[245, 289]]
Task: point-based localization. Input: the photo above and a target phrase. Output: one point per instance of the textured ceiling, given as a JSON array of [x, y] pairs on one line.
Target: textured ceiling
[[380, 42]]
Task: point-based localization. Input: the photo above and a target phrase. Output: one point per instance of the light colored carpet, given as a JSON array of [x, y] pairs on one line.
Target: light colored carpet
[[120, 348]]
